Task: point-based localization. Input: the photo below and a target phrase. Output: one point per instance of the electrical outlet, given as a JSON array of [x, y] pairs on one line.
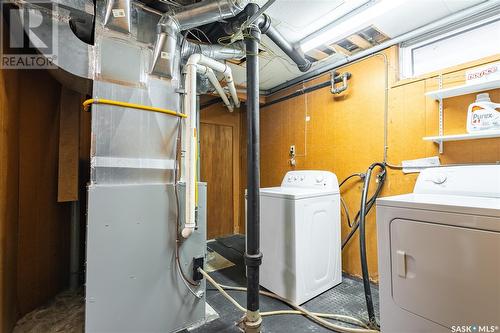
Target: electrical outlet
[[292, 151], [197, 263], [418, 165]]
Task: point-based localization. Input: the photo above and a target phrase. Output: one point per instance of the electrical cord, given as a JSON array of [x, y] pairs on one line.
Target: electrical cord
[[316, 317]]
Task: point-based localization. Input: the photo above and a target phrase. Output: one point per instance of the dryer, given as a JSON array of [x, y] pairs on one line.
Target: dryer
[[300, 235], [439, 253]]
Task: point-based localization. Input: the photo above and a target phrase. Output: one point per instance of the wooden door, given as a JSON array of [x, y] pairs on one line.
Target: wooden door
[[216, 166]]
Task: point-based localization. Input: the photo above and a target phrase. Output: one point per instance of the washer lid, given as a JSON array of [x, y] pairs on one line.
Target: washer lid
[[295, 193], [445, 203]]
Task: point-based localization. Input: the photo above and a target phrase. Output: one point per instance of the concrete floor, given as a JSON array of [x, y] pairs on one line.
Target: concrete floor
[[66, 312]]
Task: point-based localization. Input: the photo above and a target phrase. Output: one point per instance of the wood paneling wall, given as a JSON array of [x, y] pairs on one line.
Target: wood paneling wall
[[43, 246], [9, 207], [218, 115], [216, 154], [344, 134], [34, 228]]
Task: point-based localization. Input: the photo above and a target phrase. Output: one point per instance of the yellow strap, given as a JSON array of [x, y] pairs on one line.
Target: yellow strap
[[88, 102]]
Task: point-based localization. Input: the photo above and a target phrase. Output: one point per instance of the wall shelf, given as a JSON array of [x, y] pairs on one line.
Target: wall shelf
[[463, 89], [459, 137]]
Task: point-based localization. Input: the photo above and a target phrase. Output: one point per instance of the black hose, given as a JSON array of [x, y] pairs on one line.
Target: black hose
[[362, 241], [360, 223], [360, 175], [344, 205], [369, 206]]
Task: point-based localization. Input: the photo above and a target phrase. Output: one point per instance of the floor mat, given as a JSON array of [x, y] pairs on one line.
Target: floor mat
[[347, 298]]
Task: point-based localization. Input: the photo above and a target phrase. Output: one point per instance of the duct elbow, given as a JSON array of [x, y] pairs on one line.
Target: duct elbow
[[304, 67], [165, 47], [187, 231]]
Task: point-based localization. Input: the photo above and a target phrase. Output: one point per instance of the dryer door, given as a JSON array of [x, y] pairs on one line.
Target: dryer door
[[446, 274]]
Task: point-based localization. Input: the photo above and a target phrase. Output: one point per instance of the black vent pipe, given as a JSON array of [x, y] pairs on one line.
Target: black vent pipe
[[253, 256], [263, 22]]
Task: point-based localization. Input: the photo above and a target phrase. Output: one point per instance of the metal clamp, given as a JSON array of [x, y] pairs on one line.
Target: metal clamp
[[253, 260]]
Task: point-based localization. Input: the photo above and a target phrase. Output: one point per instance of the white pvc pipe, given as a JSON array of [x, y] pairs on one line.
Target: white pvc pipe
[[213, 80], [192, 66], [190, 158], [218, 67]]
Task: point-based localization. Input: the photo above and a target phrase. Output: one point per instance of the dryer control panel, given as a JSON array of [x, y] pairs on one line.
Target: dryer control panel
[[473, 180], [311, 179]]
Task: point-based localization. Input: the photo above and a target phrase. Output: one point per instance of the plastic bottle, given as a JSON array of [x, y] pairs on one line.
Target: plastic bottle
[[483, 115]]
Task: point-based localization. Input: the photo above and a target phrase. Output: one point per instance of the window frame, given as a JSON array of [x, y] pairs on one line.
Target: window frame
[[406, 49]]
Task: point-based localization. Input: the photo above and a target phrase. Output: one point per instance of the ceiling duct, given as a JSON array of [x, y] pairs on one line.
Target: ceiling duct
[[184, 18], [214, 51], [265, 25]]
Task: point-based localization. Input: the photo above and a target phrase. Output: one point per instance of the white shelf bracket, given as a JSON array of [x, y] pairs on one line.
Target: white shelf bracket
[[441, 115]]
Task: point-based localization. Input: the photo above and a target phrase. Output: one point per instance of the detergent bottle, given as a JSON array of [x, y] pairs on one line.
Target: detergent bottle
[[483, 115]]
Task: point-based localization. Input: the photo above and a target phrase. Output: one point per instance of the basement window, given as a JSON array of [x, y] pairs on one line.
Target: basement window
[[450, 47]]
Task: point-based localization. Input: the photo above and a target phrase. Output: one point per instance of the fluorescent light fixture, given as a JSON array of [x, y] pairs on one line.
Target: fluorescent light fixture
[[349, 26]]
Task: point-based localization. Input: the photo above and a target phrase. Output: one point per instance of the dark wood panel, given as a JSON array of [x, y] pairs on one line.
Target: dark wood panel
[[216, 150], [9, 178], [43, 247], [69, 145]]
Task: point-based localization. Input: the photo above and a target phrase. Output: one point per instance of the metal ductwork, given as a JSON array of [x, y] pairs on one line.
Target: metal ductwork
[[263, 22], [73, 55], [214, 51], [290, 50], [172, 23], [207, 11]]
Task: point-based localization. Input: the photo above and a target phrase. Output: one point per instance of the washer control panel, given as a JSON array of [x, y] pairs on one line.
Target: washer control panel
[[311, 179]]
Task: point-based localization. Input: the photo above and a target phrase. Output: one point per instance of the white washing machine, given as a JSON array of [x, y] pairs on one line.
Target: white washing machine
[[300, 235], [439, 253]]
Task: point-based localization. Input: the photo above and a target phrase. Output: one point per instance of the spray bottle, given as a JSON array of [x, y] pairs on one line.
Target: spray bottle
[[483, 115]]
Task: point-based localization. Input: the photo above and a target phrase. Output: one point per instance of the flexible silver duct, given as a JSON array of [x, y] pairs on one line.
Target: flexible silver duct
[[172, 23]]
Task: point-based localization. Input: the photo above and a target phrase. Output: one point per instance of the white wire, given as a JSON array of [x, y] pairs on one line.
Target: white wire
[[316, 317]]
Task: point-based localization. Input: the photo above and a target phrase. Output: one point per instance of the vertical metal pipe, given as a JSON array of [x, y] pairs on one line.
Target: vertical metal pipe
[[253, 257], [74, 278]]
